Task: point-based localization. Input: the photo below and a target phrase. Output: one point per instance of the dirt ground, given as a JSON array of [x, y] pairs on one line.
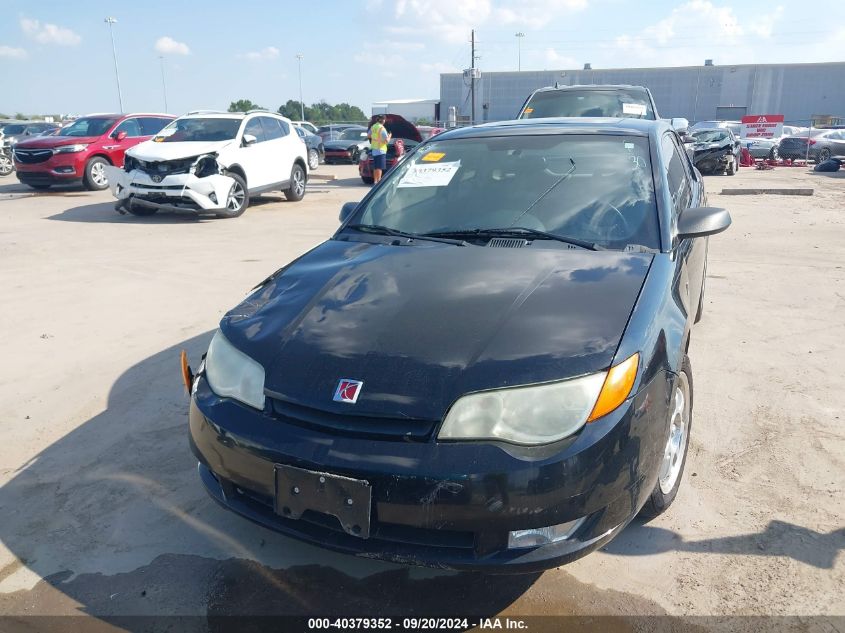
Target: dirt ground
[[102, 512]]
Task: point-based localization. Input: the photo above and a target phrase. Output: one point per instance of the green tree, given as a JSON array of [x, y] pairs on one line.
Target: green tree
[[243, 105], [291, 110], [20, 116]]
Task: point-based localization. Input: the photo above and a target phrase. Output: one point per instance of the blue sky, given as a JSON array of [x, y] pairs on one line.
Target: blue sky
[[55, 56]]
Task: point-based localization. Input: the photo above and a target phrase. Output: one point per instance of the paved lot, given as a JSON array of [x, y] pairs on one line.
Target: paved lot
[[103, 514]]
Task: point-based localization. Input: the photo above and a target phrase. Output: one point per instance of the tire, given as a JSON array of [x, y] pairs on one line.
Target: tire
[[671, 470], [237, 199], [313, 159], [95, 174], [39, 187], [773, 153], [296, 191], [823, 155], [731, 170], [354, 155], [367, 181], [6, 165]]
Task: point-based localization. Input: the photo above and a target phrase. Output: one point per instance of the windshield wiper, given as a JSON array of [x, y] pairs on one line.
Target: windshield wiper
[[546, 192], [520, 231], [377, 229]]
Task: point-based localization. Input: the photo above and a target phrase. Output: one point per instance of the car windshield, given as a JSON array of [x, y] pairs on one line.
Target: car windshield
[[93, 126], [589, 103], [199, 129], [10, 130], [353, 134], [709, 136], [596, 188]]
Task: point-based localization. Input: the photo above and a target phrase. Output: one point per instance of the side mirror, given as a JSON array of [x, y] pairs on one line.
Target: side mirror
[[120, 135], [347, 210], [702, 221], [679, 124], [249, 139]]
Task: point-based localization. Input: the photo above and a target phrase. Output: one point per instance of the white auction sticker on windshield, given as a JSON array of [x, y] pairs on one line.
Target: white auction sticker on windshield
[[430, 175], [633, 108]]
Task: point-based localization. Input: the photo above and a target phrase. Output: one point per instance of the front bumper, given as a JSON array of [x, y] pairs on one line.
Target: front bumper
[[175, 191], [445, 505], [58, 169]]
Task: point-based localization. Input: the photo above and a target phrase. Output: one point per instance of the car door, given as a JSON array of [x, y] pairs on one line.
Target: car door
[[837, 142], [253, 157], [281, 145], [117, 147], [685, 191]]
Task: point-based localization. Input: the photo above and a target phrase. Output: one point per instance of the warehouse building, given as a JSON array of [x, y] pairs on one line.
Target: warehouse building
[[800, 92]]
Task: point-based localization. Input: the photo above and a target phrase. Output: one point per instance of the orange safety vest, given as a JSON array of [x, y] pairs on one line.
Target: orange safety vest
[[376, 140]]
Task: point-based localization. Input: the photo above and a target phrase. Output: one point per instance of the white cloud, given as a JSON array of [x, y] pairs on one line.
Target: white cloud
[[683, 32], [379, 60], [451, 21], [166, 45], [267, 53], [49, 33], [764, 25], [556, 60], [12, 53], [438, 68]]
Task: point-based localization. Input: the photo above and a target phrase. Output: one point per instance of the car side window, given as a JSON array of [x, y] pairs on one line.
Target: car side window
[[130, 126], [151, 125], [272, 128], [676, 175], [254, 127]]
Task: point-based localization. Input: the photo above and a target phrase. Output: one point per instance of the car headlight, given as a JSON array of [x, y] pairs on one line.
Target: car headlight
[[539, 414], [71, 149], [233, 374]]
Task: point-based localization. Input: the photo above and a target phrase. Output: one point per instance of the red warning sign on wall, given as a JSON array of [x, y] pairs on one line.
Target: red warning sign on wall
[[762, 126]]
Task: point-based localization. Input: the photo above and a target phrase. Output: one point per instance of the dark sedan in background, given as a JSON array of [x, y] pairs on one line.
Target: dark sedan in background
[[823, 144], [485, 367], [347, 147], [316, 149], [332, 131]]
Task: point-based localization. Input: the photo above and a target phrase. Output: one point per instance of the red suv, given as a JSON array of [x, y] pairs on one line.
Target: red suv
[[81, 150]]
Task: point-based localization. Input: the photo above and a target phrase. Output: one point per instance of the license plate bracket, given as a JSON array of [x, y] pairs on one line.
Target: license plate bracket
[[347, 499]]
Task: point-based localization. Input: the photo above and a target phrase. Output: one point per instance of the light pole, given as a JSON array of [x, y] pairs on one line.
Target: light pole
[[163, 84], [111, 21], [301, 104], [519, 37]]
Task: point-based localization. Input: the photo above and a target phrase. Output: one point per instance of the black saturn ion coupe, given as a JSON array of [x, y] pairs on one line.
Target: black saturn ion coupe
[[485, 367]]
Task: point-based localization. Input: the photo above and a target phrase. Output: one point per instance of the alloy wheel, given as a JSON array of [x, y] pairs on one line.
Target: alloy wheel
[[98, 174], [298, 182], [236, 197], [676, 444]]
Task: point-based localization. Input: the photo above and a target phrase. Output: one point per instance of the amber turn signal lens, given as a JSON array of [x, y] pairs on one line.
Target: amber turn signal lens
[[617, 386], [187, 375]]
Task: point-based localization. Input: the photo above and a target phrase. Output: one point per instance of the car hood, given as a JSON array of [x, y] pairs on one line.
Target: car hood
[[153, 151], [399, 127], [422, 325], [339, 144], [49, 142]]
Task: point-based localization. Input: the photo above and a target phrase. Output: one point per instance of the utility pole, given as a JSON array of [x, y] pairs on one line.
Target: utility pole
[[519, 37], [111, 21], [472, 80], [163, 84], [301, 104]]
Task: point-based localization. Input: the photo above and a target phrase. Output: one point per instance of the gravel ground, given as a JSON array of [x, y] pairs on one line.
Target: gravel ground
[[103, 514]]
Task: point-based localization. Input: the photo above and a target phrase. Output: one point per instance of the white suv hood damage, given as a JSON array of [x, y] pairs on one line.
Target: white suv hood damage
[[152, 151]]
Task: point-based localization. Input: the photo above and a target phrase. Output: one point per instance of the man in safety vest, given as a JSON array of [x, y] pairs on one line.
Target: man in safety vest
[[379, 137]]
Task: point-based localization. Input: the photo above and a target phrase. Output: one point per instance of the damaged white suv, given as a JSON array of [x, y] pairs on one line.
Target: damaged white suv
[[212, 162]]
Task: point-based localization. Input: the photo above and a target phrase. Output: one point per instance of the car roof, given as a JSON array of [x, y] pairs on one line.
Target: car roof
[[591, 87], [561, 125]]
